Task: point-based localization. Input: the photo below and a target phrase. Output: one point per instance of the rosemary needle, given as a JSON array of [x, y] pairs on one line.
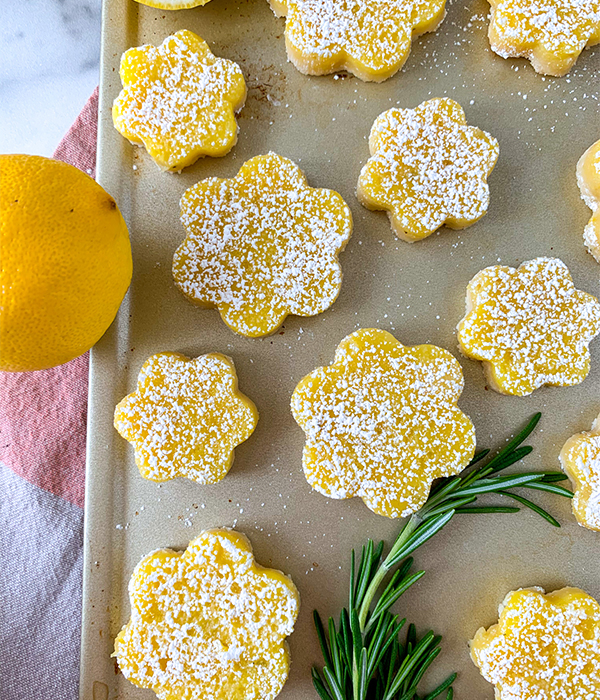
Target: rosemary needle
[[363, 656]]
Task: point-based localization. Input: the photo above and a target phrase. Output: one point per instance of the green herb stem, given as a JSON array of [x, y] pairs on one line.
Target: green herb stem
[[363, 656]]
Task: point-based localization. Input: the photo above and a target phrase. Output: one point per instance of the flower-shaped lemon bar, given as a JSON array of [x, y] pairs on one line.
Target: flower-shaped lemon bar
[[529, 326], [427, 168], [588, 179], [370, 38], [580, 458], [262, 245], [550, 33], [544, 647], [179, 101], [208, 623], [186, 417], [381, 422]]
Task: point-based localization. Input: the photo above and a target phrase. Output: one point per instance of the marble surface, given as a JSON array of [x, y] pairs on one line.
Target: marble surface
[[49, 64]]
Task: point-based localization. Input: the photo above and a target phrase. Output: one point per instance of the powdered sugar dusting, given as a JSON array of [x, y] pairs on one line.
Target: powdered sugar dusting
[[370, 38], [262, 245], [208, 624], [580, 458], [591, 236], [381, 422], [550, 33], [428, 168], [186, 417], [178, 100], [588, 180], [530, 325], [543, 648]]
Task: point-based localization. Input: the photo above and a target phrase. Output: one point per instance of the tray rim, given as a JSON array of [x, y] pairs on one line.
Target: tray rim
[[115, 338]]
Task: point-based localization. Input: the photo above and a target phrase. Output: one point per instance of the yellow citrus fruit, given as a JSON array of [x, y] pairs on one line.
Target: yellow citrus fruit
[[65, 262]]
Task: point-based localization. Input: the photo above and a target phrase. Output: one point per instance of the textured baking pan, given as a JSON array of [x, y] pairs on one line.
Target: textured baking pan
[[416, 291]]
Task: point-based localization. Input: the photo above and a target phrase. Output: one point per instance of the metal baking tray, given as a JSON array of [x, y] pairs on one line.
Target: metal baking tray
[[416, 291]]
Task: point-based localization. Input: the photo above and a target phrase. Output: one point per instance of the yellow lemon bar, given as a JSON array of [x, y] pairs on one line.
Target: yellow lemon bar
[[369, 39], [208, 623], [179, 101], [186, 417], [262, 245], [530, 326], [549, 33], [427, 169], [588, 179], [544, 647], [580, 458], [381, 422]]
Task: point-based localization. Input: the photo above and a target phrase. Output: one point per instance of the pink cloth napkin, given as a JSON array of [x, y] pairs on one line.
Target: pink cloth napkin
[[42, 476]]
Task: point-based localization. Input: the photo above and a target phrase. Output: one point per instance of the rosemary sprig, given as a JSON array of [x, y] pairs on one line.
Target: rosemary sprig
[[364, 657]]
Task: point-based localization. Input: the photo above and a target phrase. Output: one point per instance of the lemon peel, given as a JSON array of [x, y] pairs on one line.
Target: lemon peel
[[65, 262]]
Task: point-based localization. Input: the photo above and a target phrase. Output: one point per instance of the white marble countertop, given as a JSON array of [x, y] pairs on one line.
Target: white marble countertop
[[49, 63]]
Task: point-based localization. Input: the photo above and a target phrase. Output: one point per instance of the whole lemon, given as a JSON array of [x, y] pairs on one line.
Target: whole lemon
[[65, 262]]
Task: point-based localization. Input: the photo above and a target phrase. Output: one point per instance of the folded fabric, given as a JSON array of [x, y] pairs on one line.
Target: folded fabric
[[42, 476]]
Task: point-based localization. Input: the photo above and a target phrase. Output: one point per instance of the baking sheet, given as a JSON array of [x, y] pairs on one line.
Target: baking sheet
[[416, 291]]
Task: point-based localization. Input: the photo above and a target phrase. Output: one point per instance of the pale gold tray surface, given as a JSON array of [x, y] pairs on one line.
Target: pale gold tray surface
[[416, 291]]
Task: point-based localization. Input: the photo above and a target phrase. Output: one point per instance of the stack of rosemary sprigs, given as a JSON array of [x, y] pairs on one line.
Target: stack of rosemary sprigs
[[364, 656]]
